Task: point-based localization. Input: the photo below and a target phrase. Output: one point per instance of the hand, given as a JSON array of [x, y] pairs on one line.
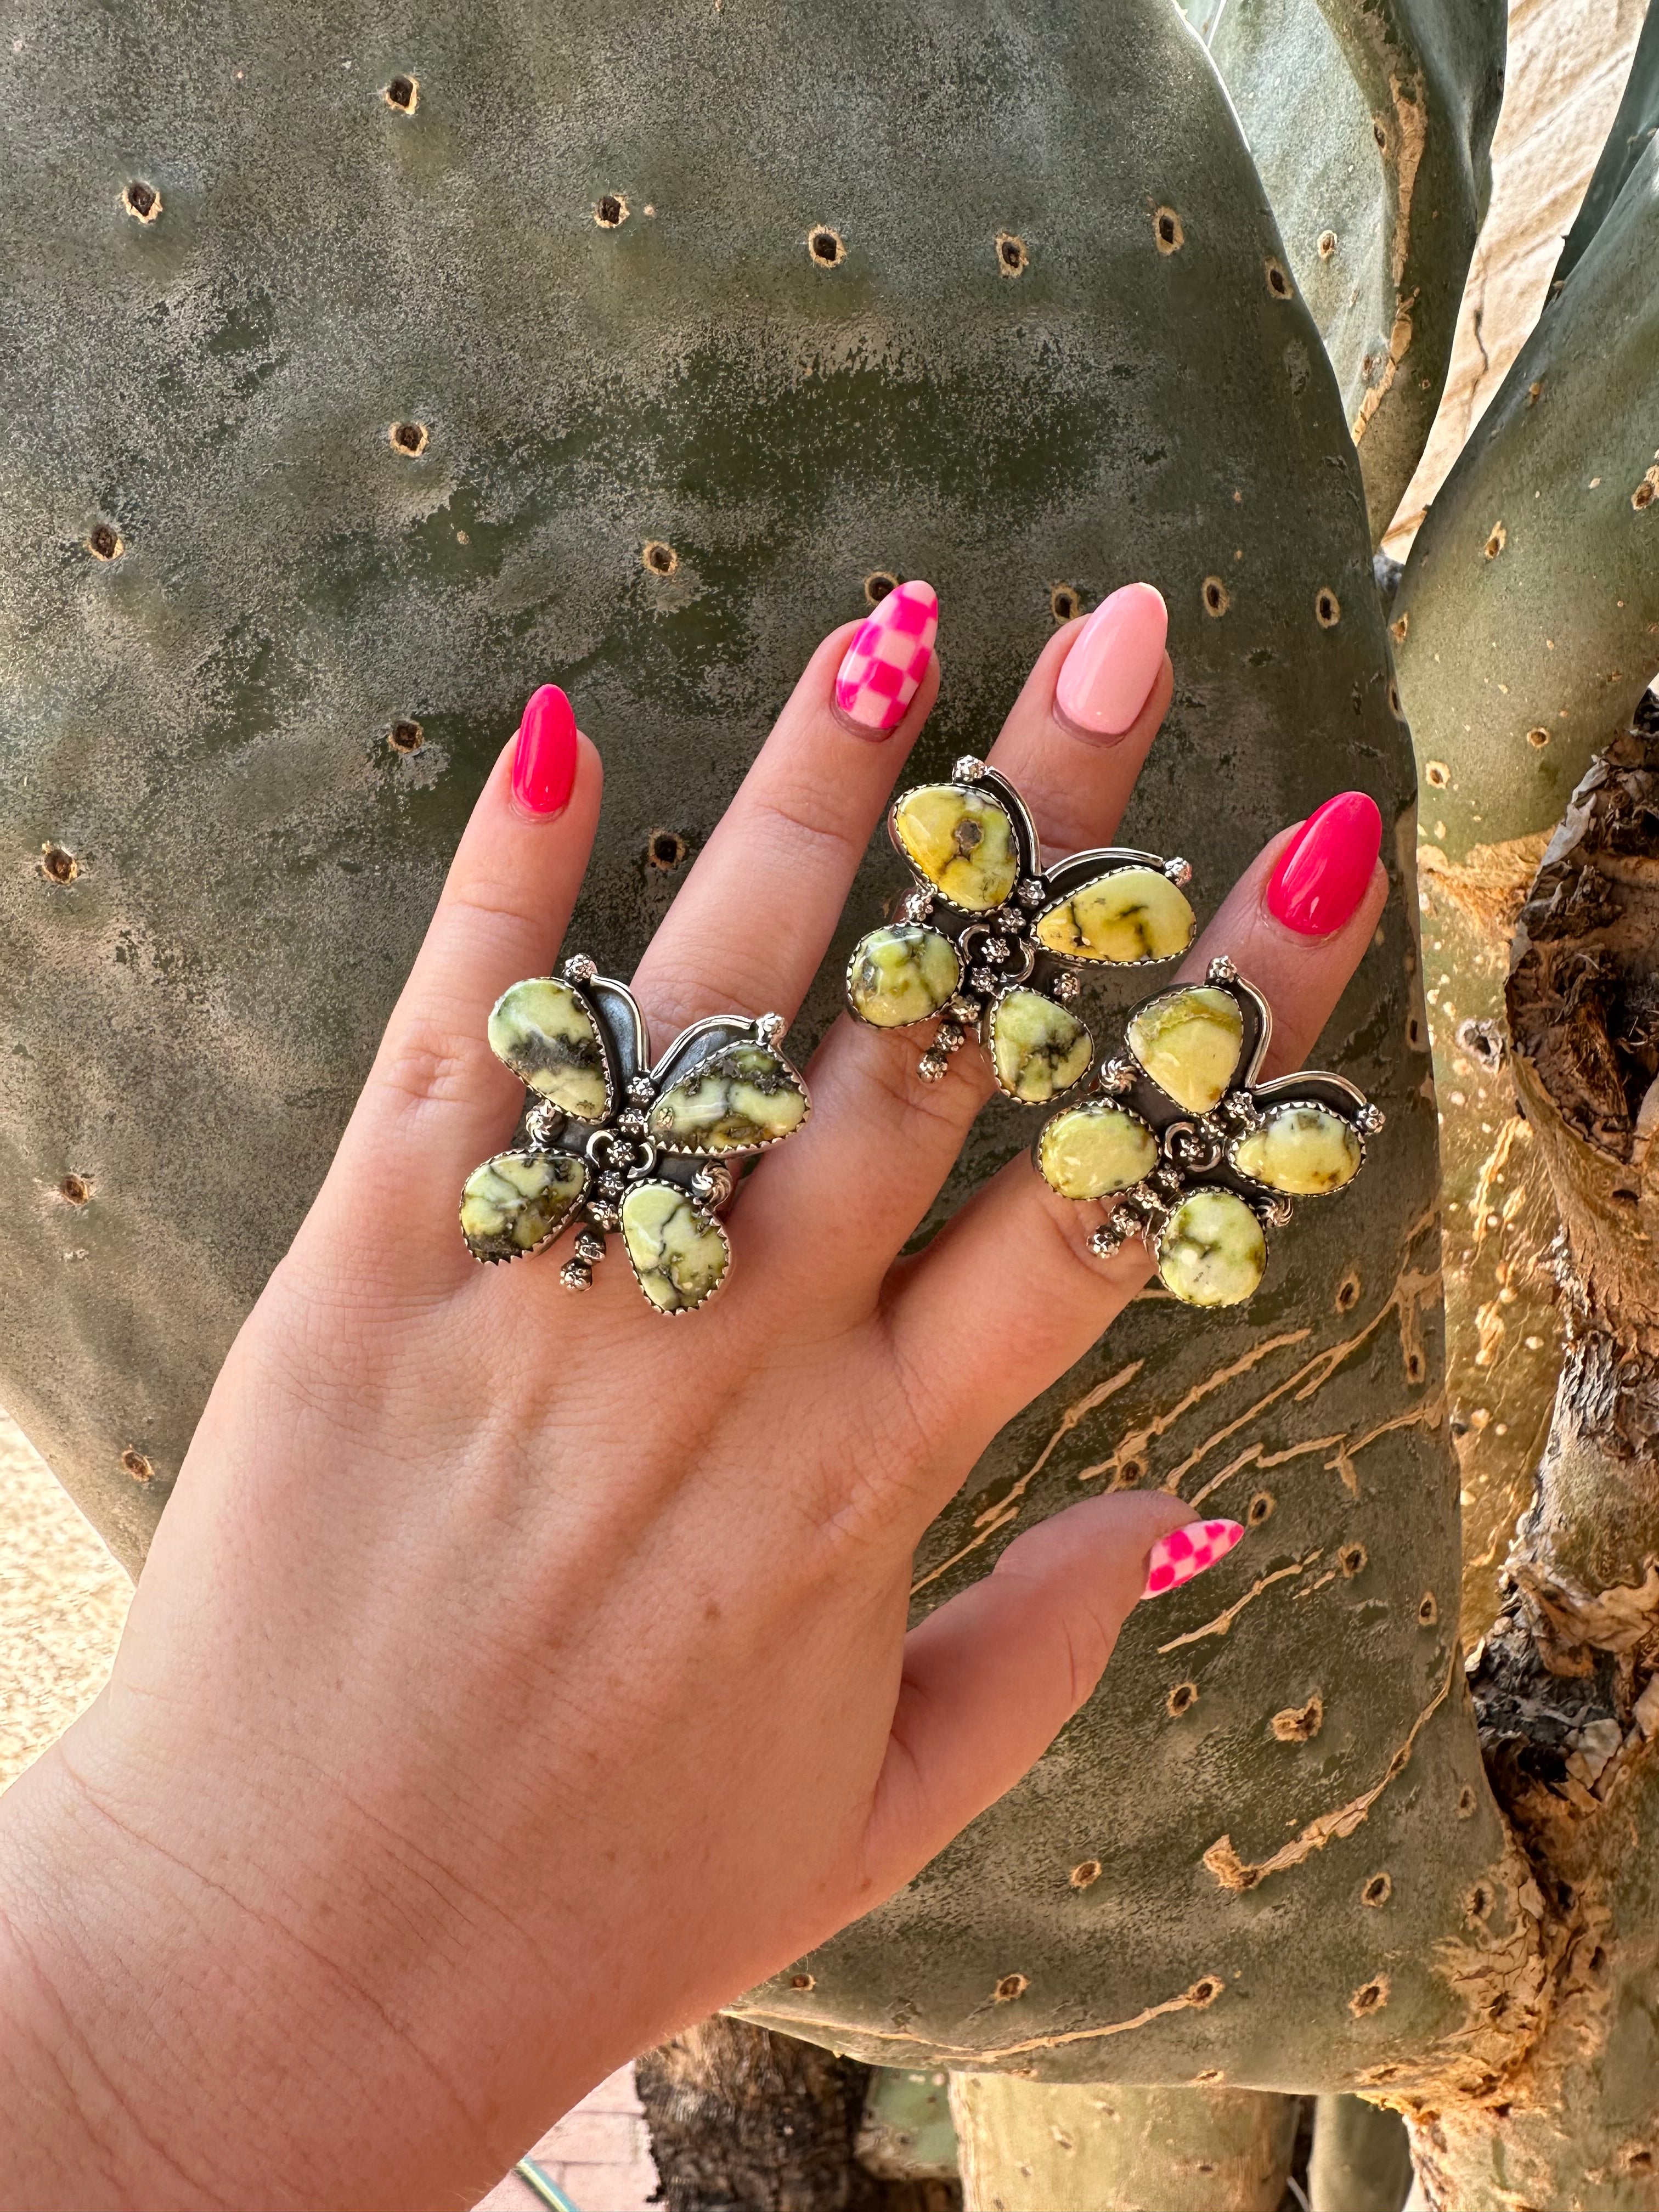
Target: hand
[[517, 1677]]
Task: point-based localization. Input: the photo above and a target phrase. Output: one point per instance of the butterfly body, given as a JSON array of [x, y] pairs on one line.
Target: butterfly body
[[629, 1146]]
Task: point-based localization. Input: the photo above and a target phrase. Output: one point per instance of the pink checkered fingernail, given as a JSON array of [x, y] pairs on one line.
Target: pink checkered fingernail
[[1184, 1553], [888, 658]]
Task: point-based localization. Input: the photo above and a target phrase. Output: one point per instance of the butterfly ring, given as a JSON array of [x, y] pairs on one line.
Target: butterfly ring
[[625, 1144], [990, 939], [1189, 1152]]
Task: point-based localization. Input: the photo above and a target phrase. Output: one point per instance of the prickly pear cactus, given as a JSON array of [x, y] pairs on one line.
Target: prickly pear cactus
[[1372, 123], [370, 367]]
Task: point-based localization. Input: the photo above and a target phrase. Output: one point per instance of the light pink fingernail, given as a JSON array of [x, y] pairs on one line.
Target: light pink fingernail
[[1184, 1553], [888, 658], [1113, 662]]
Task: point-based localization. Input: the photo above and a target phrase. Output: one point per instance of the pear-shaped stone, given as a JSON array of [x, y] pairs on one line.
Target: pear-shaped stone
[[513, 1203], [1211, 1252], [901, 974], [1305, 1150], [1095, 1150], [740, 1099], [678, 1250], [1128, 916], [546, 1036], [961, 840], [1189, 1042], [1039, 1047]]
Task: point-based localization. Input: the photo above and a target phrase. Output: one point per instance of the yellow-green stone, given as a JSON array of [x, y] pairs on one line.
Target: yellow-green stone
[[515, 1202], [1303, 1151], [1093, 1150], [902, 974], [678, 1252], [1133, 914], [1037, 1048], [1189, 1043], [1211, 1251], [547, 1037], [736, 1101], [962, 841]]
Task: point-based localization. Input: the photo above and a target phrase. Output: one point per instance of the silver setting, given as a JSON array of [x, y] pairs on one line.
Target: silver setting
[[988, 945], [618, 1148]]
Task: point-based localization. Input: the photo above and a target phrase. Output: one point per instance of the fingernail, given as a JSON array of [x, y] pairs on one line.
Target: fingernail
[[1113, 661], [888, 658], [1323, 872], [1184, 1553], [544, 758]]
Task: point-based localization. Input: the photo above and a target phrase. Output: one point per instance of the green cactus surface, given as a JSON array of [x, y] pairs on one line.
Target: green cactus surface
[[1632, 129], [366, 367]]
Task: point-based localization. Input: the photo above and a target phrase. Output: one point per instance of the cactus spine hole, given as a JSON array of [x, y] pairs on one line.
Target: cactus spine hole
[[1378, 1890], [1351, 1559], [1414, 1366], [1647, 491], [1437, 774], [1465, 1802], [405, 737], [105, 543], [1204, 1992], [1260, 1507], [403, 93], [1538, 739], [802, 1982], [58, 864], [77, 1189], [1398, 628], [665, 850], [877, 584], [1300, 1723], [1328, 608], [1394, 707], [1415, 1037], [1278, 283], [827, 247], [409, 438], [141, 200], [1480, 1901], [1326, 244], [1429, 1611], [1063, 603], [611, 211], [1217, 598], [1012, 256], [1380, 133], [1182, 1699], [1496, 543], [1081, 1876], [1347, 1293], [661, 560], [1371, 1998], [136, 1465], [1168, 230], [1011, 1986], [1131, 1470]]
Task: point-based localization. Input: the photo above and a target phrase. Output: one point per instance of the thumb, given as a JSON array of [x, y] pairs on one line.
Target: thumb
[[992, 1677]]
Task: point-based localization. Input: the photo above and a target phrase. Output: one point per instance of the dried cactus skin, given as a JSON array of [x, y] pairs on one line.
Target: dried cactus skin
[[204, 723], [1633, 126], [1371, 125]]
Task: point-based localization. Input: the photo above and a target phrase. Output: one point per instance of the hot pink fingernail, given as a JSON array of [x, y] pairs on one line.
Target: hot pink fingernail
[[1113, 662], [1324, 874], [1184, 1553], [888, 658], [544, 757]]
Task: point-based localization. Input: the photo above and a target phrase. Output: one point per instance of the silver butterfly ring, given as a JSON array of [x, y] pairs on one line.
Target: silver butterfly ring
[[990, 939], [1189, 1152], [627, 1145]]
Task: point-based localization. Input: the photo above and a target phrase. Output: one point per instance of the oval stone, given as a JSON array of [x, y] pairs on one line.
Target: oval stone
[[1189, 1043], [678, 1252], [545, 1035], [1129, 915], [1095, 1150], [1303, 1151], [514, 1203], [1212, 1252], [901, 974], [1039, 1047], [738, 1100], [962, 841]]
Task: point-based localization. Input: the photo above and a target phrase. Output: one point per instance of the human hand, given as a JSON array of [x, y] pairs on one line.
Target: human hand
[[517, 1677]]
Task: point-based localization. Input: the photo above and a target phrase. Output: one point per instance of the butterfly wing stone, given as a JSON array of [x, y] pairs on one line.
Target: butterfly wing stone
[[1303, 1150], [1038, 1048], [518, 1201], [543, 1031], [678, 1250], [962, 841], [740, 1099], [1096, 1151], [1124, 917], [1211, 1251], [1189, 1042], [903, 974]]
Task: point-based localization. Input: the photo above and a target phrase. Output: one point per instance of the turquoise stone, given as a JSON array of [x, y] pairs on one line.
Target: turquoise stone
[[1189, 1042], [901, 974], [1305, 1150], [546, 1036], [514, 1203], [1038, 1048], [1212, 1252], [737, 1100], [679, 1251], [1095, 1150], [1128, 916], [962, 841]]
